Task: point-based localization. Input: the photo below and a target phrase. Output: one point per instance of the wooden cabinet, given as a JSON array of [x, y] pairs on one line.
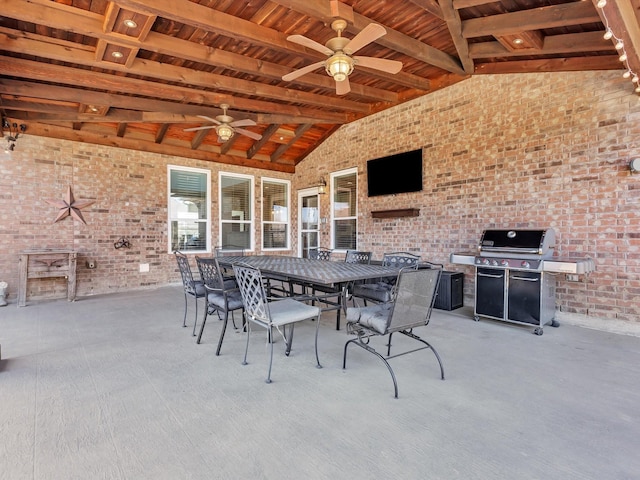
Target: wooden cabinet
[[47, 263]]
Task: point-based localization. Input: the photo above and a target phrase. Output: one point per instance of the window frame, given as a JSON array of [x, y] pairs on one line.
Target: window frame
[[287, 223], [332, 177], [251, 204], [207, 220]]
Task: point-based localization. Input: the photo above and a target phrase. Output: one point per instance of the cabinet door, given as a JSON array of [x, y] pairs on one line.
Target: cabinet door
[[490, 284], [524, 297]]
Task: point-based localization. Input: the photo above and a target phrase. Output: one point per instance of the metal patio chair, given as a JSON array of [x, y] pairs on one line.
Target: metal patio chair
[[411, 305], [277, 314], [335, 296], [320, 253], [192, 287], [379, 290], [223, 296]]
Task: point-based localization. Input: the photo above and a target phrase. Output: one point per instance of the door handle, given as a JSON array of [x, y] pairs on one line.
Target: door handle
[[526, 279], [489, 275]]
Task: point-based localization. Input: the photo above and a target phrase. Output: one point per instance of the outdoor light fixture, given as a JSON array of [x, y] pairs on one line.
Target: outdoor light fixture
[[339, 66], [224, 131], [14, 132], [634, 165], [322, 186]]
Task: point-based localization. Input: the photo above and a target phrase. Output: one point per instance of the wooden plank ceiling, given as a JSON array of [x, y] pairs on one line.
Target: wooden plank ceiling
[[137, 73]]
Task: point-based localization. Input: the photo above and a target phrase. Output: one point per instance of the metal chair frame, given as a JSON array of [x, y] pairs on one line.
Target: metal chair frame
[[218, 289], [320, 253], [340, 292], [413, 297], [258, 310], [367, 290], [192, 287]]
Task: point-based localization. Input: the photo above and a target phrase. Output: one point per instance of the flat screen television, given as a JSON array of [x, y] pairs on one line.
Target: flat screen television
[[399, 173]]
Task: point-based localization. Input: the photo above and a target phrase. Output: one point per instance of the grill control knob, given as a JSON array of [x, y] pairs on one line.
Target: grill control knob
[[525, 264], [494, 263], [485, 261], [504, 263]]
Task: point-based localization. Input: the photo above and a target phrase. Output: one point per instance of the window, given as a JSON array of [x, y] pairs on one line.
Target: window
[[344, 211], [236, 211], [275, 214], [189, 209]]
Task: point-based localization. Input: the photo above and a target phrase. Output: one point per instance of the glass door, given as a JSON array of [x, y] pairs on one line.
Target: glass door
[[309, 221]]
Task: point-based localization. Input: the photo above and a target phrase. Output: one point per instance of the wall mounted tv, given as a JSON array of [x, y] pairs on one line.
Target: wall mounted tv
[[399, 173]]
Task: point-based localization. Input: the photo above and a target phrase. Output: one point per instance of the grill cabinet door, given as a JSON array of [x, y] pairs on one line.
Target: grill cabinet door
[[490, 283], [524, 297]]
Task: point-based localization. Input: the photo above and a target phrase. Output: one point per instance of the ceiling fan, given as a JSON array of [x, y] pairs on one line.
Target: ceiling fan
[[340, 50], [226, 127]]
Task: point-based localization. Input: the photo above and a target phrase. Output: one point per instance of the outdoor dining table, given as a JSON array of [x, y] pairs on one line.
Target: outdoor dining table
[[310, 271]]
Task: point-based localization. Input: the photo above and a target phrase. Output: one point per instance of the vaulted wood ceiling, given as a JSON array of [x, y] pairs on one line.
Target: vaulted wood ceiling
[[61, 77]]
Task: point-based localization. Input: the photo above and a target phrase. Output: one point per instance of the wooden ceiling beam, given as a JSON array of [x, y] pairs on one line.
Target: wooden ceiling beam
[[266, 135], [28, 44], [556, 44], [623, 19], [40, 71], [283, 148], [53, 14], [571, 64], [454, 23], [430, 6], [66, 133], [566, 14], [393, 39]]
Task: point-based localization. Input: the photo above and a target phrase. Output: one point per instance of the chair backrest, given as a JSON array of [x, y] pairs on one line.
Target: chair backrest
[[355, 256], [229, 251], [414, 296], [401, 260], [254, 296], [320, 253], [185, 271], [210, 272]]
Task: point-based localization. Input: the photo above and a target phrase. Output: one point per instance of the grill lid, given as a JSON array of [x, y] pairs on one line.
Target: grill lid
[[533, 243]]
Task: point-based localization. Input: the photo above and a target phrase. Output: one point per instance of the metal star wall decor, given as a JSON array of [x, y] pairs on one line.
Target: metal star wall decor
[[70, 207]]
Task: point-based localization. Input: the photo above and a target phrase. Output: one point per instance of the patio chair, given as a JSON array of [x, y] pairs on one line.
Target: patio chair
[[278, 314], [379, 290], [192, 287], [320, 253], [335, 296], [410, 307], [223, 296]]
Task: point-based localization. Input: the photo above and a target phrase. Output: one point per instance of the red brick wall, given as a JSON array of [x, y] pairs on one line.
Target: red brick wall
[[512, 151], [130, 193]]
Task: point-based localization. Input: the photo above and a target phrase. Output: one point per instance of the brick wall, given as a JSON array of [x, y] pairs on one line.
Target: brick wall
[[525, 151], [512, 151], [129, 189]]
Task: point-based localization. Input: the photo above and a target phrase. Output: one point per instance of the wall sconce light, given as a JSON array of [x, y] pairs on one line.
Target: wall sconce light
[[14, 132], [322, 186], [634, 165]]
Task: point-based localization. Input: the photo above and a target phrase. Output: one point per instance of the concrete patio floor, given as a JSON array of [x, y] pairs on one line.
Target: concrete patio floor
[[112, 387]]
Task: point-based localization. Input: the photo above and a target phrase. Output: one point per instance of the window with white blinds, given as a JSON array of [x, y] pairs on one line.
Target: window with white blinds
[[276, 217], [189, 209], [236, 210], [344, 209]]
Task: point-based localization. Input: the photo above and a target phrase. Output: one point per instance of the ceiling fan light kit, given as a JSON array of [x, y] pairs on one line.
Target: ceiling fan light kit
[[340, 51], [226, 126]]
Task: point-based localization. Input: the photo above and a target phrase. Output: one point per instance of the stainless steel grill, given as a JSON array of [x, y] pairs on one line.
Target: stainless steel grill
[[515, 275]]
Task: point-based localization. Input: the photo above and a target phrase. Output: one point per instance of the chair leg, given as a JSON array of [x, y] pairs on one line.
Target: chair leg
[[204, 320], [184, 320], [224, 329], [356, 341], [316, 342], [246, 348], [268, 380], [195, 320], [288, 340], [419, 339]]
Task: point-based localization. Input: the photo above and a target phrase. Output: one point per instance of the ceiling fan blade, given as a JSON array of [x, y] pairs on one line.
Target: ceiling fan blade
[[247, 133], [389, 66], [246, 122], [199, 128], [307, 42], [302, 71], [209, 119], [344, 87], [368, 34]]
